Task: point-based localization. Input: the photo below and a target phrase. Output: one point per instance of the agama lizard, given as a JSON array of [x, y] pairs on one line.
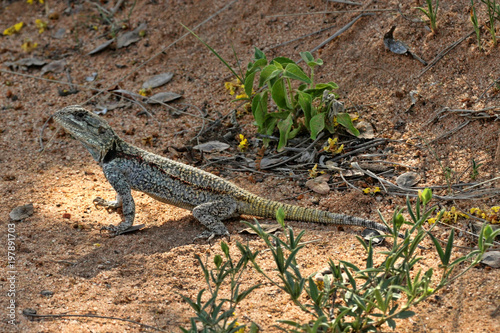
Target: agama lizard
[[211, 199]]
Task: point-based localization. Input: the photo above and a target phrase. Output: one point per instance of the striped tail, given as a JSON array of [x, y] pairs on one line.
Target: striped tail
[[266, 208]]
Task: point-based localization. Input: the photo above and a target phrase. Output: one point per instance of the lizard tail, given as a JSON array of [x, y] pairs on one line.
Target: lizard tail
[[268, 208]]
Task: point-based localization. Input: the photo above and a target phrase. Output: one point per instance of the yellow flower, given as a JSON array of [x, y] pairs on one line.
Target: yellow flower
[[28, 46], [42, 26], [495, 209], [244, 95], [431, 220], [230, 86], [313, 173], [145, 92], [376, 189], [243, 143], [332, 146], [31, 1], [13, 29], [474, 209], [354, 117], [367, 190]]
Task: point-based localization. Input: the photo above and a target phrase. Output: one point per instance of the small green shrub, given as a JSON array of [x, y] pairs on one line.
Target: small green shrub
[[493, 11], [351, 298], [301, 103], [431, 13]]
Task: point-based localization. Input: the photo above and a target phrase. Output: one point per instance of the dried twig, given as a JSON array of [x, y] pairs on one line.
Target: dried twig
[[338, 33], [488, 88], [336, 12], [347, 2], [363, 147], [91, 316], [301, 37], [443, 53], [294, 157]]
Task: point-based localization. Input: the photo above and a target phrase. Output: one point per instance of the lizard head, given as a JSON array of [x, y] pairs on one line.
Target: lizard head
[[88, 128]]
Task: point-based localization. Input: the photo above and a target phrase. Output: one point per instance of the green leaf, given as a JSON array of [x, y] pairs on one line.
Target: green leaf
[[345, 120], [279, 115], [259, 109], [255, 66], [317, 62], [280, 216], [284, 127], [249, 84], [245, 293], [438, 247], [283, 61], [317, 91], [268, 73], [258, 54], [294, 72], [317, 124], [449, 247], [225, 248], [278, 93], [293, 133], [404, 314], [305, 102], [391, 323], [306, 56]]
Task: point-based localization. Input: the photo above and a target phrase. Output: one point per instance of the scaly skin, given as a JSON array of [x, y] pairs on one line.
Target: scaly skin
[[210, 198]]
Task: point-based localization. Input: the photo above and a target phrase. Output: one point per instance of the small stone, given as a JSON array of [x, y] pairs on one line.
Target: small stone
[[21, 212]]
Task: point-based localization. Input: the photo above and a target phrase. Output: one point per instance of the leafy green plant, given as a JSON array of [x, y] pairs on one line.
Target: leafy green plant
[[475, 23], [217, 314], [475, 167], [361, 299], [301, 103], [431, 13], [493, 11]]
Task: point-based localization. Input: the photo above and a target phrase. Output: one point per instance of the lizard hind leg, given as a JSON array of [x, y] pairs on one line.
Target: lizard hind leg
[[211, 214]]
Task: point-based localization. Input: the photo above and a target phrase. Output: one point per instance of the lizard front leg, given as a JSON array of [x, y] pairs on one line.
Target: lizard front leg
[[124, 198], [211, 214]]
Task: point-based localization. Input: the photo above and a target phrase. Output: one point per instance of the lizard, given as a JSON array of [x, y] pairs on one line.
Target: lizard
[[210, 198]]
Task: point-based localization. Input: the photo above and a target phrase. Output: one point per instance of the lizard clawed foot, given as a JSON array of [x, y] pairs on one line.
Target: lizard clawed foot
[[110, 206]]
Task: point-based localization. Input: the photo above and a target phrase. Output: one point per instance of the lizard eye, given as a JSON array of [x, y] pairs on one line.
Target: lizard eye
[[80, 114], [101, 130]]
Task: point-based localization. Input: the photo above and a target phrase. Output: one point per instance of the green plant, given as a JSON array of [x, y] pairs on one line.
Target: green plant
[[431, 13], [217, 314], [301, 103], [475, 167], [493, 11], [475, 23], [363, 299]]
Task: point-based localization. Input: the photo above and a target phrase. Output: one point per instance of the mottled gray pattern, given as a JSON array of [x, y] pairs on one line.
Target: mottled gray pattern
[[210, 198]]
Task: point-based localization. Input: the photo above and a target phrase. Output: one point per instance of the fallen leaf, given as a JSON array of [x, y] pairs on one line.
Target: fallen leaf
[[319, 184], [130, 37], [163, 97], [54, 67], [365, 129], [408, 179], [212, 146], [157, 80], [101, 47]]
